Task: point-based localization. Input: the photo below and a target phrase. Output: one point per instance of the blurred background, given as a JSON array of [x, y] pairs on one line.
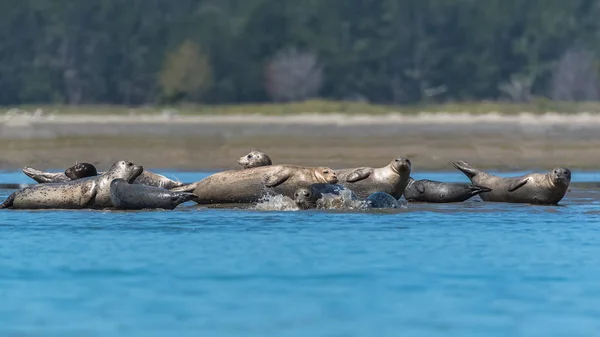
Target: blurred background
[[178, 62]]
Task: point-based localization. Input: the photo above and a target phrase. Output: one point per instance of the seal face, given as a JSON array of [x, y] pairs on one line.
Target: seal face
[[126, 196], [533, 188], [308, 197], [439, 192], [391, 179], [254, 158], [381, 200], [250, 185], [81, 170], [90, 192]]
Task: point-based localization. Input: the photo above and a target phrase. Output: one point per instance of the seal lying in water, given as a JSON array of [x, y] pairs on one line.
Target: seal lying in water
[[91, 192], [77, 171], [254, 158], [308, 196], [391, 179], [436, 191], [250, 185], [533, 188], [84, 170], [124, 195]]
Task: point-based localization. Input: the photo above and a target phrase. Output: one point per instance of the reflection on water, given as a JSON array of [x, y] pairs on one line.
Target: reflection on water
[[464, 269]]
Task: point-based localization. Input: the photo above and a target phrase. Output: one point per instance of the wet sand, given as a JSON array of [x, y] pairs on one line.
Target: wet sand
[[206, 143]]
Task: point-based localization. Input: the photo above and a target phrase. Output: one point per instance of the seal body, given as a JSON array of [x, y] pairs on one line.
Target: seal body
[[78, 171], [124, 195], [254, 158], [250, 185], [391, 179], [439, 192], [381, 200], [91, 192], [533, 188], [83, 170]]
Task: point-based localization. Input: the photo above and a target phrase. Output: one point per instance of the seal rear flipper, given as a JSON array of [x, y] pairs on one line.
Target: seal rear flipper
[[184, 188], [358, 174], [476, 189], [37, 175], [185, 197], [465, 168], [8, 202], [515, 186]]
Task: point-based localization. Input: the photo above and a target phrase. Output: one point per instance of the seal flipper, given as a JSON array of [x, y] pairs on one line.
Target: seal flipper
[[476, 189], [465, 168], [277, 179], [515, 186], [182, 197], [8, 202], [420, 187], [41, 176], [358, 174], [184, 188]]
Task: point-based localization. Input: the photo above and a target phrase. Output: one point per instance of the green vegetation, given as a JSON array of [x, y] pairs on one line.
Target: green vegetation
[[213, 54], [321, 107]]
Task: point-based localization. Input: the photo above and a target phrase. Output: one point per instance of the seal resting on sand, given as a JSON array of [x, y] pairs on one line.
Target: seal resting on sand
[[77, 171], [250, 185], [84, 170], [391, 179], [124, 195], [533, 188], [91, 192], [254, 158], [439, 192]]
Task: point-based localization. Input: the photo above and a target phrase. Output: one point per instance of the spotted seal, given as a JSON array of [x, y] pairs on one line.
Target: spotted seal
[[533, 188], [254, 158], [425, 190], [90, 192], [126, 196], [77, 171], [391, 179], [250, 185]]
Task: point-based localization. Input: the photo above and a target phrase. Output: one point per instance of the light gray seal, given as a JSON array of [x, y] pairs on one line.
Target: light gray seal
[[77, 171], [425, 190], [391, 179], [533, 188], [254, 158], [126, 196], [91, 192], [308, 196], [84, 170], [381, 200], [250, 185]]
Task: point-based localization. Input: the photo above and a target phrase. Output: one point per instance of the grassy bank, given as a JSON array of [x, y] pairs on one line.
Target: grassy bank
[[319, 106]]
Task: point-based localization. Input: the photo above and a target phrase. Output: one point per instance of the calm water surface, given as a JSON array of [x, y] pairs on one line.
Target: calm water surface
[[468, 269]]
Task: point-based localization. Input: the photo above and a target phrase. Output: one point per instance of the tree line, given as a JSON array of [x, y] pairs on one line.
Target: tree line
[[236, 51]]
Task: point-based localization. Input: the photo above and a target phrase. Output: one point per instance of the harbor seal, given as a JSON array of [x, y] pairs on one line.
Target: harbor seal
[[307, 197], [84, 170], [255, 158], [80, 170], [250, 185], [124, 195], [381, 200], [439, 192], [391, 179], [533, 188], [91, 192]]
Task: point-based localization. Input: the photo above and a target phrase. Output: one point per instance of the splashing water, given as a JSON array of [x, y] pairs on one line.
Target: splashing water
[[276, 203]]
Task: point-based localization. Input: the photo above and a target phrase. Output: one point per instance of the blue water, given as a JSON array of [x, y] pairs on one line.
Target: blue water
[[468, 269]]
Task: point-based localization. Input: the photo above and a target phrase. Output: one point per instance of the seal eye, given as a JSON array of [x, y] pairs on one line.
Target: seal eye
[[326, 172], [249, 156]]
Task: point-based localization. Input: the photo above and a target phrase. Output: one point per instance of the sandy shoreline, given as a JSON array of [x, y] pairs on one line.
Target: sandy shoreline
[[524, 141]]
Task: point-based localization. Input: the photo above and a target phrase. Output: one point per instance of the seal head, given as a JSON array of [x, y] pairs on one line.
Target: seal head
[[255, 158], [81, 170]]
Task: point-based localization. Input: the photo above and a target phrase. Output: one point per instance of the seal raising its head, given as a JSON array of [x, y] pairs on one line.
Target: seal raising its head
[[81, 170], [391, 179], [533, 188], [255, 158], [439, 192], [90, 192]]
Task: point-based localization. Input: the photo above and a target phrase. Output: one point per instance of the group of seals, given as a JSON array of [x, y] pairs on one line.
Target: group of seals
[[128, 186]]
